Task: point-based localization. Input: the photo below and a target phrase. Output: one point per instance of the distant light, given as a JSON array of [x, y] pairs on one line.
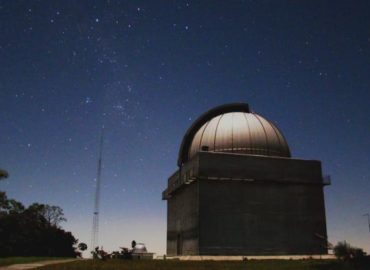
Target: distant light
[[88, 100]]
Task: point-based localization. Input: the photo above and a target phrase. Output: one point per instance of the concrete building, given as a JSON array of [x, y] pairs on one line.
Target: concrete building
[[238, 191]]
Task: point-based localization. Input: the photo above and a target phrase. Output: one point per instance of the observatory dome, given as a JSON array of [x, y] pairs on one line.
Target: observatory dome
[[233, 128]]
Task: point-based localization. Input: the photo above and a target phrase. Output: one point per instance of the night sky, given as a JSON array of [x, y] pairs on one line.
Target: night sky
[[146, 69]]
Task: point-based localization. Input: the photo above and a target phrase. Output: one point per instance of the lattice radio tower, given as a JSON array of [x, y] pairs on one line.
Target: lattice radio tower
[[95, 228]]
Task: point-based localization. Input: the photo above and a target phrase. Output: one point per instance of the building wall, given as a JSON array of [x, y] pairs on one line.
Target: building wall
[[247, 218], [236, 166], [229, 204], [183, 221]]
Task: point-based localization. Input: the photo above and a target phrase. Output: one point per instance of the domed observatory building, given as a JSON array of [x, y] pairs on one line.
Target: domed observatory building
[[238, 191]]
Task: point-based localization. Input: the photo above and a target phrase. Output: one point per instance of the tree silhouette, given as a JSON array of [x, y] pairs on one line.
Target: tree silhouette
[[33, 231], [53, 214], [82, 246], [9, 206], [3, 174], [345, 251]]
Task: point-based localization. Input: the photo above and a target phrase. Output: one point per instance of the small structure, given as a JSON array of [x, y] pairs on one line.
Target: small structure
[[139, 252], [238, 191], [100, 254]]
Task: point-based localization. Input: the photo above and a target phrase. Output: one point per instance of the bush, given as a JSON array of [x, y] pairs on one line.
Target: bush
[[33, 231], [345, 251]]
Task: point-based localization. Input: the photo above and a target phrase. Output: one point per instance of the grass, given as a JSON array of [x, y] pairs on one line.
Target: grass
[[211, 265], [17, 260]]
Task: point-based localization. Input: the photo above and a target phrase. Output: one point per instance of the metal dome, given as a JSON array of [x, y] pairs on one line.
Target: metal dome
[[232, 128]]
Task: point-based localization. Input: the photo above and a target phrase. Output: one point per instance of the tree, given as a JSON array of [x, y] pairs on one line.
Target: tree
[[82, 246], [53, 214], [15, 206], [9, 206], [342, 250], [3, 174], [33, 231], [345, 251], [3, 202]]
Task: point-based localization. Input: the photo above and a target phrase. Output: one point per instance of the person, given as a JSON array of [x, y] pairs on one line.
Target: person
[[133, 244]]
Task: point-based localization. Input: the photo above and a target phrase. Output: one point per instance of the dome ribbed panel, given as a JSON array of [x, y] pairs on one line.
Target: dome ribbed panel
[[273, 142], [224, 132], [258, 136], [195, 147], [284, 145], [242, 133], [208, 138]]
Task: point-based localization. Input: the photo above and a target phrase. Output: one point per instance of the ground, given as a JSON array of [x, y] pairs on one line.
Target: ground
[[21, 260], [211, 265]]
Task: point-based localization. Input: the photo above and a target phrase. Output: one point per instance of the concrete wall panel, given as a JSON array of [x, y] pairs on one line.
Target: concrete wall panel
[[280, 212], [182, 221], [243, 218]]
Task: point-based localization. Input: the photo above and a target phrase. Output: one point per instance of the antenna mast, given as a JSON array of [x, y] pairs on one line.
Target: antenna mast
[[368, 219], [95, 229]]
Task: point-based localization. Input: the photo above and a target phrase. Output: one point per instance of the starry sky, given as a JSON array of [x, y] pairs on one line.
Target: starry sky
[[146, 69]]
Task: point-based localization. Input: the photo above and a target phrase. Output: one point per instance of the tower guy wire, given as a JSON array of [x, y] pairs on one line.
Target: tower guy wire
[[368, 219], [95, 226]]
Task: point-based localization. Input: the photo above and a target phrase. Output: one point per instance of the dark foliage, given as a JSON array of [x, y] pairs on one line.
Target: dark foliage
[[3, 174], [82, 246], [33, 231], [53, 214], [345, 251]]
